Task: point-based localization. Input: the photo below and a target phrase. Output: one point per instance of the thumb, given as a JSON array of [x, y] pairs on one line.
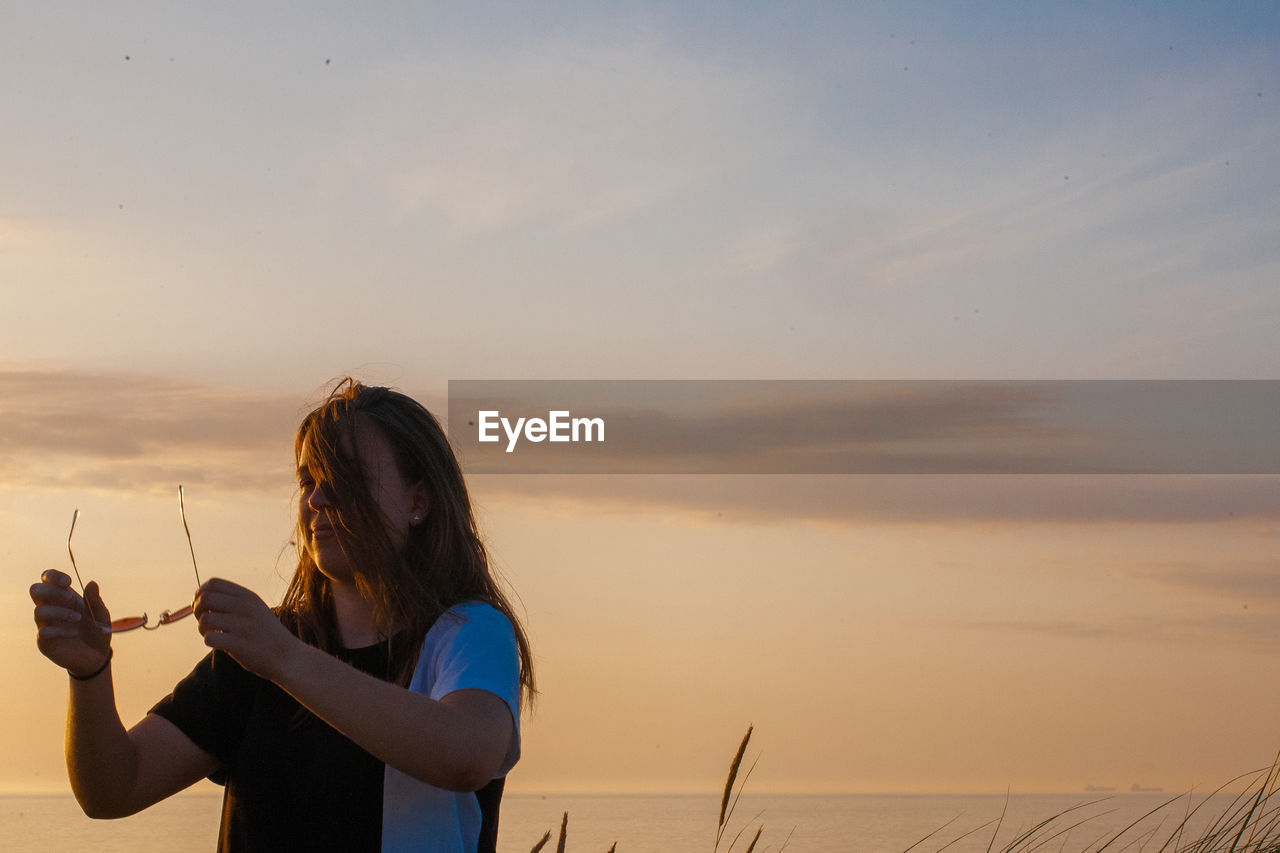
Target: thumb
[[93, 600]]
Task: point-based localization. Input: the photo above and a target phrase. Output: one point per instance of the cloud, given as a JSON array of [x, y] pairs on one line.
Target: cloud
[[914, 499], [1244, 630], [1254, 581], [119, 431], [130, 432], [562, 133]]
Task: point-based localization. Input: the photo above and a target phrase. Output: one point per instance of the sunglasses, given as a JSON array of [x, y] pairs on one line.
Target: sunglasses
[[130, 623]]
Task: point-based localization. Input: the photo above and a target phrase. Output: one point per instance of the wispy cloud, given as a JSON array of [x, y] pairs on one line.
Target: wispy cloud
[[1244, 630], [1256, 581], [121, 431], [917, 499], [118, 431], [557, 134]]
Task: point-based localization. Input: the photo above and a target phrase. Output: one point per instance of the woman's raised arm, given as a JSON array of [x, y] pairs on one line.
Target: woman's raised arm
[[114, 772], [457, 743]]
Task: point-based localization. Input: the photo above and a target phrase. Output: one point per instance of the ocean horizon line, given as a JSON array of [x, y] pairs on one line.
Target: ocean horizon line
[[1096, 794]]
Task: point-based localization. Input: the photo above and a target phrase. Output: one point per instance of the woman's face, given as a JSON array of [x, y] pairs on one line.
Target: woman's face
[[403, 505]]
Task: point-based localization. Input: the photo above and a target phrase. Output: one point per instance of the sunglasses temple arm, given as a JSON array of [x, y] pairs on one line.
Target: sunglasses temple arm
[[182, 510], [71, 553]]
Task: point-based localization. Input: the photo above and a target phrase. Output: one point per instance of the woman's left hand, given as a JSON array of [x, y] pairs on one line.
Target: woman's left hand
[[234, 619]]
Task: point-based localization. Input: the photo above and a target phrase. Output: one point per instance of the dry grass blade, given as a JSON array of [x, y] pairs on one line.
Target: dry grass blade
[[1217, 835], [1266, 830], [752, 845], [935, 832], [542, 842], [1175, 839], [745, 827], [725, 812], [1030, 839], [733, 774], [960, 838], [612, 847], [1264, 791], [1117, 836], [1065, 831], [741, 785], [564, 833], [999, 822], [1141, 841]]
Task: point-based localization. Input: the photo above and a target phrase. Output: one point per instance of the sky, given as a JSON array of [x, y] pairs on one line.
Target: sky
[[207, 214]]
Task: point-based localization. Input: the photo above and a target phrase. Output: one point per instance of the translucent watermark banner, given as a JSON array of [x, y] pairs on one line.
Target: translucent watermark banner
[[866, 426]]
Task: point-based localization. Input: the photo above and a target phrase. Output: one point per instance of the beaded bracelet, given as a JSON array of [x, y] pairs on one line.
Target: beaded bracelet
[[97, 671]]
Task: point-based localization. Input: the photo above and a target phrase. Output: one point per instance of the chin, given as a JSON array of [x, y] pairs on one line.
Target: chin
[[336, 574], [334, 567]]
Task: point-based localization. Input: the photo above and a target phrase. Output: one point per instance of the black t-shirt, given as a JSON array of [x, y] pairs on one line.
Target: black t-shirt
[[292, 781]]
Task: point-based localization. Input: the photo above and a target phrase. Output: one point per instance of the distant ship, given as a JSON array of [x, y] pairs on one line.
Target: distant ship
[[1099, 789], [1135, 788]]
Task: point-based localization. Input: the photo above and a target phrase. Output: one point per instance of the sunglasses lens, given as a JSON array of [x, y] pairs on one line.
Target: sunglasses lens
[[128, 624], [167, 616]]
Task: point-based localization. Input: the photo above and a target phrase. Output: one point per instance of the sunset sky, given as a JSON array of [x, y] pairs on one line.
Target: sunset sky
[[209, 213]]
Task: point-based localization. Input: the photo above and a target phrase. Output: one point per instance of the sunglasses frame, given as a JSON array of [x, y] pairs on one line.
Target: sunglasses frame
[[132, 623]]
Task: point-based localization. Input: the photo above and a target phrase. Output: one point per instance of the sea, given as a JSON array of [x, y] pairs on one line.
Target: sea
[[859, 823]]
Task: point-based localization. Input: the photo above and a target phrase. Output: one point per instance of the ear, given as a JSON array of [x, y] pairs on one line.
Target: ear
[[420, 505]]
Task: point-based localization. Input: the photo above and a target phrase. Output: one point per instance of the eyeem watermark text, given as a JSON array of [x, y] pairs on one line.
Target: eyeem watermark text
[[560, 426]]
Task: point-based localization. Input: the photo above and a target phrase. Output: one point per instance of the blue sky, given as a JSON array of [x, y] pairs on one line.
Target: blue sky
[[815, 191]]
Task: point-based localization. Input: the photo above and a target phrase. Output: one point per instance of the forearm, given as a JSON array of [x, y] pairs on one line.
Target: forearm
[[437, 742], [101, 761], [116, 773], [113, 772]]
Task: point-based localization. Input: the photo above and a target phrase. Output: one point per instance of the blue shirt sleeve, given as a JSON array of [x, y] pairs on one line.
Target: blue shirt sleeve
[[472, 646]]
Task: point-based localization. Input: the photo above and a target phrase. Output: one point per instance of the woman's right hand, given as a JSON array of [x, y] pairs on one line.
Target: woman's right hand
[[71, 629]]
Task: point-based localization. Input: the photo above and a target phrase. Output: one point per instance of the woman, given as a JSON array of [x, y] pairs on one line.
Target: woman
[[376, 708]]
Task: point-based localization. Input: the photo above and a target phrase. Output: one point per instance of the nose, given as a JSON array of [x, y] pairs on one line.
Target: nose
[[318, 498]]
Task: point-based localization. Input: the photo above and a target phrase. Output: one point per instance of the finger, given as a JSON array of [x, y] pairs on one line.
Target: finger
[[218, 640], [55, 577], [97, 608], [50, 614], [223, 600], [223, 586], [218, 621], [226, 620], [229, 643], [229, 591], [47, 633], [44, 593], [206, 622], [204, 605], [208, 599]]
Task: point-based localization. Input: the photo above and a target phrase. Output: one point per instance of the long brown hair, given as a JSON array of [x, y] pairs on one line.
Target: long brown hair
[[443, 561]]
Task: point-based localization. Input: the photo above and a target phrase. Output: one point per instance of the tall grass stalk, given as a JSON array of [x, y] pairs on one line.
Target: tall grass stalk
[[1248, 823], [564, 833], [726, 811], [728, 802]]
